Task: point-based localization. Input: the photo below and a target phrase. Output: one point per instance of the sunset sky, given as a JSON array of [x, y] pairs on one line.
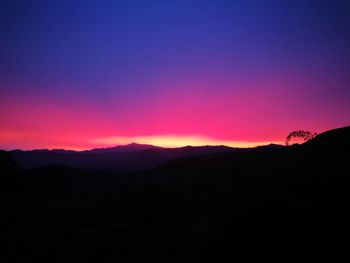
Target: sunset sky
[[85, 74]]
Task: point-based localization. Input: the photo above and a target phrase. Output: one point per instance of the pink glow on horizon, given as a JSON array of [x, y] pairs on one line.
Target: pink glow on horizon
[[249, 113], [172, 141]]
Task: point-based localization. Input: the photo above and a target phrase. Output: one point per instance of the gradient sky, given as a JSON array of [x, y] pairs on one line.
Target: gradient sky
[[83, 74]]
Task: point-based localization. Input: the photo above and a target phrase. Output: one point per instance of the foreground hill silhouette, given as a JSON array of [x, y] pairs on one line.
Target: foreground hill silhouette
[[271, 204]]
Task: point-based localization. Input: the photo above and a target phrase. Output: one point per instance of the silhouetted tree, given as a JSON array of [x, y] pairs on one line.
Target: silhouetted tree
[[305, 135]]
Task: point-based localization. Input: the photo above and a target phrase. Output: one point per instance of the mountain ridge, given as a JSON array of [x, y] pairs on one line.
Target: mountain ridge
[[263, 199], [119, 158], [136, 157]]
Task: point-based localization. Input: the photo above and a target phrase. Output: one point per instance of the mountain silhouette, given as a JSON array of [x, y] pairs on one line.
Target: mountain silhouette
[[129, 157], [276, 204], [123, 148]]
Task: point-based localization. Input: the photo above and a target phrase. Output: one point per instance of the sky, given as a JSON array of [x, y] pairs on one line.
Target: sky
[[85, 74]]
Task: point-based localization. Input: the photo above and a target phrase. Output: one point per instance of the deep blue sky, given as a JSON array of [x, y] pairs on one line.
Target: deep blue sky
[[115, 56]]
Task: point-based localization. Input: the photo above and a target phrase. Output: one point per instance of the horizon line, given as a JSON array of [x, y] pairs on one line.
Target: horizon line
[[83, 149]]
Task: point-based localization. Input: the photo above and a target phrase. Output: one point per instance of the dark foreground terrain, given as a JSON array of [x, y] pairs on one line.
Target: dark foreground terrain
[[287, 204]]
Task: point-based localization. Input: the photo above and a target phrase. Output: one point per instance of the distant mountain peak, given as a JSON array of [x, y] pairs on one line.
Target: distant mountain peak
[[134, 143], [131, 147]]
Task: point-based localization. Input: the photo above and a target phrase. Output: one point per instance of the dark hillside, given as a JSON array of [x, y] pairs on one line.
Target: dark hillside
[[274, 204]]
